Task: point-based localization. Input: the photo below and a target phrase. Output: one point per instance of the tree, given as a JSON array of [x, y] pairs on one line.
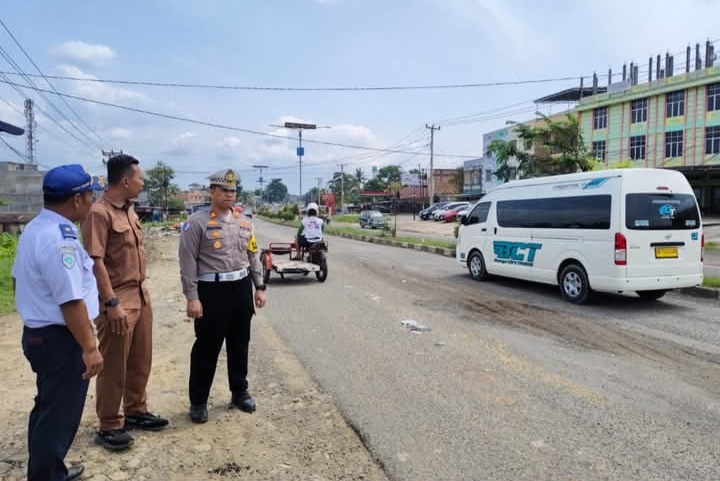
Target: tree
[[360, 177], [159, 185], [313, 195], [458, 179], [558, 148], [344, 186], [385, 176], [276, 191]]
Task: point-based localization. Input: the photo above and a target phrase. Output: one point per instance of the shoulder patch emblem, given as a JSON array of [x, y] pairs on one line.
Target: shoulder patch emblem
[[68, 259], [185, 226], [252, 245]]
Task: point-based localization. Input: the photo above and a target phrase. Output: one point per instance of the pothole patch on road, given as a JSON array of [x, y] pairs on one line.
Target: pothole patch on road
[[414, 326]]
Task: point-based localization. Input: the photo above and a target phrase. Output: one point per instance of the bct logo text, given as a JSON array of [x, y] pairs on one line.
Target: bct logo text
[[516, 253]]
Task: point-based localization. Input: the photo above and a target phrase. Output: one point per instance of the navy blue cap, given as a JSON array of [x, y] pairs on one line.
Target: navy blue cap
[[71, 179]]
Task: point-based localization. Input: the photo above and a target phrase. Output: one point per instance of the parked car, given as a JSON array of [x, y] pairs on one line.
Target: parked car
[[426, 214], [452, 214], [372, 219], [463, 213], [440, 213]]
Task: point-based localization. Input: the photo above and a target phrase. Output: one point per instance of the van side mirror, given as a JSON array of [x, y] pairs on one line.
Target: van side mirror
[[465, 219]]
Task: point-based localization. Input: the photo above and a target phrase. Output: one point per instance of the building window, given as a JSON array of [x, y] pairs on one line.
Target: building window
[[489, 175], [712, 140], [639, 111], [598, 149], [637, 147], [675, 104], [674, 144], [713, 96], [600, 118]]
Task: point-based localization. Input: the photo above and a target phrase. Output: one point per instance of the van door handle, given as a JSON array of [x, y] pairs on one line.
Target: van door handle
[[484, 229], [495, 230]]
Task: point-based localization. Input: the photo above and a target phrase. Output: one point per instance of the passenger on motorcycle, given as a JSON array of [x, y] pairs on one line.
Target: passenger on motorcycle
[[310, 231]]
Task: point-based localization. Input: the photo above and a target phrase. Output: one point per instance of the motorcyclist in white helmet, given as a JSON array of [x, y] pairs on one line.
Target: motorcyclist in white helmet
[[311, 229]]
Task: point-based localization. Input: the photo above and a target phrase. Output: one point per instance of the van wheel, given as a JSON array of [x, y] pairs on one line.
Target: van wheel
[[574, 284], [476, 266], [651, 295]]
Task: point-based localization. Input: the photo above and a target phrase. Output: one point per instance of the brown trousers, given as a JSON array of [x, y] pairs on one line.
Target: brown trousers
[[125, 373]]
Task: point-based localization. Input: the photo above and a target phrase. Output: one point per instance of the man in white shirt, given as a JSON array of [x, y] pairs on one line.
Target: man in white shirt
[[56, 296], [311, 229]]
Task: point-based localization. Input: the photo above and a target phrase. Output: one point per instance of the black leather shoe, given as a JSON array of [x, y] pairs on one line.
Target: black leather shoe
[[145, 421], [74, 472], [244, 402], [198, 413], [114, 439]]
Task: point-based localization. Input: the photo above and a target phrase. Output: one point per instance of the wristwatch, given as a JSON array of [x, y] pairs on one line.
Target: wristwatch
[[112, 302], [261, 288]]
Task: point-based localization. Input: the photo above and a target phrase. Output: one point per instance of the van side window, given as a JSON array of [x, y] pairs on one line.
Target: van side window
[[578, 212], [479, 214]]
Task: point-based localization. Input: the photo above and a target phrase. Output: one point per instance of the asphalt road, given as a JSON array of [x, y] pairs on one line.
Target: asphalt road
[[510, 382]]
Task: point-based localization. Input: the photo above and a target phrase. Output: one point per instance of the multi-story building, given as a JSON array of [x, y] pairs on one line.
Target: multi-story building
[[196, 195], [670, 121], [20, 188]]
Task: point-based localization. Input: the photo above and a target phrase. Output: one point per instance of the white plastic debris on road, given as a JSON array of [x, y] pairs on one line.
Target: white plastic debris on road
[[414, 326]]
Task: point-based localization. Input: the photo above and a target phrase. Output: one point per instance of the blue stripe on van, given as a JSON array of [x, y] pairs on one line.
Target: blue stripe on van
[[596, 182]]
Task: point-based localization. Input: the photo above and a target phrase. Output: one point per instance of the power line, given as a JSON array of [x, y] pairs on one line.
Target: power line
[[227, 127], [22, 157], [310, 89], [42, 92], [24, 96], [49, 132], [50, 84]]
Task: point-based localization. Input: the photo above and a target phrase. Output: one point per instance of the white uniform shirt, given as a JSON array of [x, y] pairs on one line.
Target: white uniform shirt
[[51, 268], [312, 229]]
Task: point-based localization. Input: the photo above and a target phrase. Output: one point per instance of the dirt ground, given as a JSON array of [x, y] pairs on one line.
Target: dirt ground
[[296, 433]]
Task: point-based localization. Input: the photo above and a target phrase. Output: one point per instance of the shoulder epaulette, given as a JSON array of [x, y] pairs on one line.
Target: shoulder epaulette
[[68, 231]]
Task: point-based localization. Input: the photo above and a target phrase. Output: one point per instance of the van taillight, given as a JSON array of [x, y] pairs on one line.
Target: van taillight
[[620, 250], [702, 248]]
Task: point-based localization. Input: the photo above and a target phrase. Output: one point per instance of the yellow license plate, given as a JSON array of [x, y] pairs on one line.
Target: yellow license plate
[[666, 252]]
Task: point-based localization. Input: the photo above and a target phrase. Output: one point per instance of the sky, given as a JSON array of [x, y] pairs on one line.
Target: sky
[[313, 44]]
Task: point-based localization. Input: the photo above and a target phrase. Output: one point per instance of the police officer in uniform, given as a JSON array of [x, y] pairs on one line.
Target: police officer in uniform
[[56, 296], [219, 264]]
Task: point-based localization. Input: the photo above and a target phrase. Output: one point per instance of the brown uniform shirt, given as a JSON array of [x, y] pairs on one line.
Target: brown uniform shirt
[[211, 244], [112, 232]]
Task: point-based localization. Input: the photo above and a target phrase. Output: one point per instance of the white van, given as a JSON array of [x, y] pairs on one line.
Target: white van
[[613, 230]]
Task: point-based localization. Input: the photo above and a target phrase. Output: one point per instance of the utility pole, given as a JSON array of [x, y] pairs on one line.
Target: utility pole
[[342, 185], [261, 180], [319, 180], [30, 119], [107, 155], [432, 128]]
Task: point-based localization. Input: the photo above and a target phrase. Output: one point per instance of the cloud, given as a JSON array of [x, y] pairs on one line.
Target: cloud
[[118, 133], [182, 145], [87, 53], [497, 22], [98, 90]]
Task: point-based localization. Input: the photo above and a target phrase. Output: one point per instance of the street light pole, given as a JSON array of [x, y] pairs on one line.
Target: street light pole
[[300, 150]]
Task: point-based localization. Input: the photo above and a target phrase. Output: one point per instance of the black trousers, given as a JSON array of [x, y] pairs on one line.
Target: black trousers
[[56, 359], [228, 308]]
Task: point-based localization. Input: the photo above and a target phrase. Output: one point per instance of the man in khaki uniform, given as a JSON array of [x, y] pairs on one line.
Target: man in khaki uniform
[[113, 237], [219, 263]]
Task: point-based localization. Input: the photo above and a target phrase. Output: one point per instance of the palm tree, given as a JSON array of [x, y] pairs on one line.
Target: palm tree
[[360, 177]]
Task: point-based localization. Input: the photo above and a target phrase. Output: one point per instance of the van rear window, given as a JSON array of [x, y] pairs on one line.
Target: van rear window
[[661, 212]]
